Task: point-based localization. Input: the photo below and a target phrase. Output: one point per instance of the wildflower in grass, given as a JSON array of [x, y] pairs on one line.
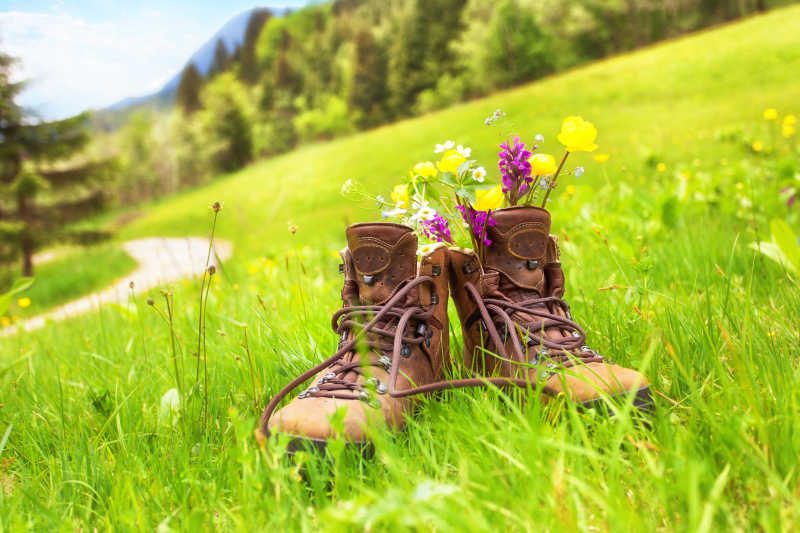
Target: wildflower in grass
[[539, 138], [400, 196], [571, 189], [479, 174], [787, 130], [24, 302], [578, 135], [544, 184], [601, 158], [488, 199], [789, 120], [426, 169], [5, 321], [757, 146], [661, 167], [444, 147], [450, 161], [542, 165], [498, 114], [252, 269], [771, 113], [578, 172], [216, 207], [292, 228], [437, 228], [515, 169]]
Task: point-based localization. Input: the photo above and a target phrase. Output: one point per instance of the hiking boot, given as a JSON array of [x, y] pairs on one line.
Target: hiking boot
[[393, 341], [515, 322]]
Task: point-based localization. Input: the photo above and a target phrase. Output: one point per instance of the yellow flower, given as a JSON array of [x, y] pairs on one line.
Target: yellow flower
[[252, 269], [5, 321], [400, 196], [571, 189], [661, 167], [425, 169], [601, 158], [450, 162], [757, 146], [787, 130], [24, 302], [578, 135], [789, 120], [487, 199], [542, 164], [771, 113]]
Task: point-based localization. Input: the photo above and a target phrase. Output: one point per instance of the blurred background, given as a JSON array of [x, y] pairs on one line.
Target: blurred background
[[105, 105]]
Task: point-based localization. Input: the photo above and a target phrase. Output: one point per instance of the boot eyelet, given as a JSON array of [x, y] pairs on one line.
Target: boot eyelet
[[369, 280], [531, 264], [434, 299], [576, 334], [468, 268], [381, 388], [386, 362], [422, 329], [341, 268], [312, 389], [544, 352], [405, 351], [585, 348], [436, 270]]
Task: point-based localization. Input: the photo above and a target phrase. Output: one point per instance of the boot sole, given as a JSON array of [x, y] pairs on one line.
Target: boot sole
[[642, 401], [307, 444]]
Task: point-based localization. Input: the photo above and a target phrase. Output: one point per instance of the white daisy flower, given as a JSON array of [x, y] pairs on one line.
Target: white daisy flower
[[539, 138], [380, 200], [479, 174], [347, 187], [439, 148], [425, 213], [465, 151]]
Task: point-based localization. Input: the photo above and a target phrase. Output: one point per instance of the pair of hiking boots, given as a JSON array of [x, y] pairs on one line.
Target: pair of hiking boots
[[394, 333]]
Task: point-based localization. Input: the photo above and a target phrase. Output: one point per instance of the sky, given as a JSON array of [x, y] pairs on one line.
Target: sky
[[85, 54]]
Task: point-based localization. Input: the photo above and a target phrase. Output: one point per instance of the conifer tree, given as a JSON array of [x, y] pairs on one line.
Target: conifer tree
[[368, 90], [249, 71], [39, 192], [188, 93], [221, 61]]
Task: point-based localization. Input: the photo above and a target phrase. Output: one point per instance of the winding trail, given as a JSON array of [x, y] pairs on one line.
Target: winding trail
[[161, 260]]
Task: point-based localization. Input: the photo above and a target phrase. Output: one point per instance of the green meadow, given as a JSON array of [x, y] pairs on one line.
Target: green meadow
[[656, 245]]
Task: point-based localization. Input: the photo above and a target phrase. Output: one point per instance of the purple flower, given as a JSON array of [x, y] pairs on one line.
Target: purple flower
[[477, 220], [516, 169], [437, 228]]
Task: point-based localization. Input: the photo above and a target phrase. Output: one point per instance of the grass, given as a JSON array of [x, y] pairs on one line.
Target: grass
[[69, 276], [658, 270]]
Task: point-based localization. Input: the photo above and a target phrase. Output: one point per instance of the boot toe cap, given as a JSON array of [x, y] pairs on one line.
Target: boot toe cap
[[311, 418], [591, 381]]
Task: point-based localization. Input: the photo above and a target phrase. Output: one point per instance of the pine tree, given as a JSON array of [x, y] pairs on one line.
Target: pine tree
[[368, 90], [221, 61], [188, 94], [28, 153], [249, 71]]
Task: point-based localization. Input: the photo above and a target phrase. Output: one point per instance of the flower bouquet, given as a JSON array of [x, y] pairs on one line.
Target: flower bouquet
[[452, 200]]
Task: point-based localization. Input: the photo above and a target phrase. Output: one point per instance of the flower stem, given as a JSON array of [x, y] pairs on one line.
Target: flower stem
[[555, 177]]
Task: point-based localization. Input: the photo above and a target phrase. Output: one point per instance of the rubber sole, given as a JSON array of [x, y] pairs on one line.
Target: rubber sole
[[642, 401], [307, 444]]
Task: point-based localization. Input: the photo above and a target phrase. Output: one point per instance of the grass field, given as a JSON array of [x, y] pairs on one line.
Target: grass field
[[659, 270]]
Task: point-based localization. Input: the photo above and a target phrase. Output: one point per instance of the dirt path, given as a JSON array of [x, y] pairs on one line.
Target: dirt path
[[161, 260]]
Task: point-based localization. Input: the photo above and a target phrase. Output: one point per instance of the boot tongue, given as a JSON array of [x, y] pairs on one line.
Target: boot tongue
[[384, 256], [519, 246]]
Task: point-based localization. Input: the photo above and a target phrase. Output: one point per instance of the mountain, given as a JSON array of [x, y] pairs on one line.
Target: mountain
[[231, 33]]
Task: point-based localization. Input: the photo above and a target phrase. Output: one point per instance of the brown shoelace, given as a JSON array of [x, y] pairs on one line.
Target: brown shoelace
[[500, 313], [336, 384]]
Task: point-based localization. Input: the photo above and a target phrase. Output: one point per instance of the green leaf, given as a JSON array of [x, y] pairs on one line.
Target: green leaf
[[448, 179], [463, 168], [786, 240], [468, 193]]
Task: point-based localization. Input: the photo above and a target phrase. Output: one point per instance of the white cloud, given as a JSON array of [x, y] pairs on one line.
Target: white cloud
[[72, 64]]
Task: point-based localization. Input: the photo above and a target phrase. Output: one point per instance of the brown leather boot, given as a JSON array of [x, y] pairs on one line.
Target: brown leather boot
[[393, 341], [515, 322]]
